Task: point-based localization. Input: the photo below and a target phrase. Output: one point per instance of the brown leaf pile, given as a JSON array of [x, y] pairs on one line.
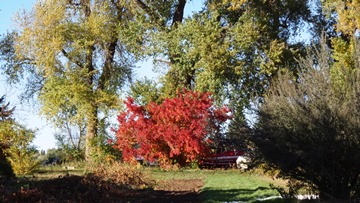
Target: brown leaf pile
[[103, 184]]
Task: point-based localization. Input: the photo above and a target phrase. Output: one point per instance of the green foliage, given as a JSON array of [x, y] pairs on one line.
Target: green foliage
[[72, 55], [5, 113], [70, 154], [145, 91], [105, 151], [309, 127], [18, 151], [230, 48], [71, 140], [54, 156], [348, 20], [344, 41]]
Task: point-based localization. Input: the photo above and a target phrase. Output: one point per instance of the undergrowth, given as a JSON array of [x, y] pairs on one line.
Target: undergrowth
[[127, 176]]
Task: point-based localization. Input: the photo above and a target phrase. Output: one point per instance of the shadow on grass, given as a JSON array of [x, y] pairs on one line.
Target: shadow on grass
[[72, 188], [258, 195], [237, 195]]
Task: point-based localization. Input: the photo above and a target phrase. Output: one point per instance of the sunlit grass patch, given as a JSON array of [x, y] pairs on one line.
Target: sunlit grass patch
[[225, 185], [233, 185], [46, 172]]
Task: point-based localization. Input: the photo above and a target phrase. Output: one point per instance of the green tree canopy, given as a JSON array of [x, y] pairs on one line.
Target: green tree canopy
[[346, 26], [230, 48], [73, 57]]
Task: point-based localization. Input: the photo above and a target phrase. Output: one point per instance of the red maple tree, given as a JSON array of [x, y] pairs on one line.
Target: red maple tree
[[173, 132]]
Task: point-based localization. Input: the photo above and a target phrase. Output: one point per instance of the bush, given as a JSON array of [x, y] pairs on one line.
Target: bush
[[175, 132], [19, 152], [5, 167], [128, 177], [5, 114], [309, 127]]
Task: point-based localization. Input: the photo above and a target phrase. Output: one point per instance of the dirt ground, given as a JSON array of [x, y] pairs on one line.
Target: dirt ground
[[74, 188]]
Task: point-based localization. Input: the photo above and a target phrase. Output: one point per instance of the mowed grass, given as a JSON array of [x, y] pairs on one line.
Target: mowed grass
[[226, 185], [235, 186]]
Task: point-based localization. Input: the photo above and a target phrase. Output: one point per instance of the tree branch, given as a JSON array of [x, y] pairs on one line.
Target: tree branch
[[152, 14], [169, 63], [70, 59], [179, 13]]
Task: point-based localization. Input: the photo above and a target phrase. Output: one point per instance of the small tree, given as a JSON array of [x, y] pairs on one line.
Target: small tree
[[173, 132], [20, 153], [16, 153], [5, 113], [309, 127]]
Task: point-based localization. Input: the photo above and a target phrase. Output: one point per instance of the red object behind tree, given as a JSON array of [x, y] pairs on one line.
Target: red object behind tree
[[173, 132]]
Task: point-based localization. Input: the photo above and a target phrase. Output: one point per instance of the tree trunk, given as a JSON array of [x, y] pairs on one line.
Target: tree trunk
[[91, 133], [92, 120]]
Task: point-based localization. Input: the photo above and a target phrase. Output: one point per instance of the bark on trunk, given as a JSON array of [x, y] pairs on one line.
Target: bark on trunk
[[92, 120], [91, 132]]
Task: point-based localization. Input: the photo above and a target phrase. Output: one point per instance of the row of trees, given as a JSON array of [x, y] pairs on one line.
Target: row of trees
[[78, 55]]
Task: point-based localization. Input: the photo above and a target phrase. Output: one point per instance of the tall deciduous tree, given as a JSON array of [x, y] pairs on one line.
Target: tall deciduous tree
[[348, 20], [230, 48], [346, 25], [73, 56]]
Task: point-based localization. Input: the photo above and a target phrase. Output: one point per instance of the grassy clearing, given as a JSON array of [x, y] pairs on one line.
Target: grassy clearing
[[219, 185], [47, 172], [225, 185]]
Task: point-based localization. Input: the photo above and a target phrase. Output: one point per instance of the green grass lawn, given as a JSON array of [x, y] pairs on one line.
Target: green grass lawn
[[46, 172], [235, 186], [225, 185], [230, 185], [219, 185]]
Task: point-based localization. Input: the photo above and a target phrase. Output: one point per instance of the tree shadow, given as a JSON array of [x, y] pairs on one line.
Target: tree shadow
[[72, 188], [242, 195]]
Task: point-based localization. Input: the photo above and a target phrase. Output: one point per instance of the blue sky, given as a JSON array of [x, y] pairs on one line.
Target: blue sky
[[27, 113]]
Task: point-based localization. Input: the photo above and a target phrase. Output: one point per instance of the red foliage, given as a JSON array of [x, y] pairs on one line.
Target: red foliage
[[174, 132]]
